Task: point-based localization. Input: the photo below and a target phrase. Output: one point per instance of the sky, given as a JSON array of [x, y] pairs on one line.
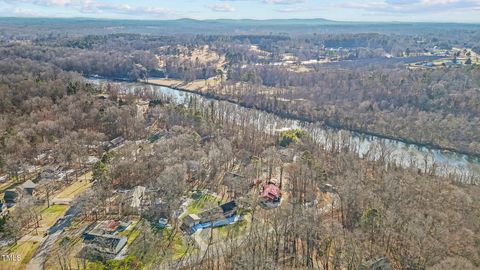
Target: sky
[[355, 10]]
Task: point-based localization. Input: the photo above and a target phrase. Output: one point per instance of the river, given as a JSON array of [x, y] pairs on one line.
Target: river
[[441, 162]]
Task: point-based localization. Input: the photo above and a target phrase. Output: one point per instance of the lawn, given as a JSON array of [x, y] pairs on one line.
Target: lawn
[[204, 202], [52, 214], [75, 189], [25, 250], [166, 240], [49, 216], [54, 209], [132, 236], [177, 247], [236, 229], [132, 232], [6, 185]]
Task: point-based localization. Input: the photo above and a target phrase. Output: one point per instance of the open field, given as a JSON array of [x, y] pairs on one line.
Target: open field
[[51, 215], [197, 85], [77, 188]]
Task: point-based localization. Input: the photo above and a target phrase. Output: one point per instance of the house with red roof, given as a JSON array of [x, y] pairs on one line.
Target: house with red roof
[[271, 195], [271, 192]]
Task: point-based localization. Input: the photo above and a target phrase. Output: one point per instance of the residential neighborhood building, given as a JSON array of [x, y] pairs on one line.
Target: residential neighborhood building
[[115, 142], [218, 216], [28, 187], [376, 264], [10, 197], [271, 195], [101, 239], [105, 245]]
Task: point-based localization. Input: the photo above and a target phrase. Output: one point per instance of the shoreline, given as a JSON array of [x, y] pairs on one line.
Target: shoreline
[[183, 86]]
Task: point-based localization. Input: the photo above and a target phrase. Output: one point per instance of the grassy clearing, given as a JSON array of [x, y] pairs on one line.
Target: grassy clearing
[[6, 185], [204, 202], [25, 250], [177, 245], [168, 245], [166, 82], [52, 214], [54, 209], [77, 188], [197, 85], [178, 248], [235, 229], [132, 236], [132, 232]]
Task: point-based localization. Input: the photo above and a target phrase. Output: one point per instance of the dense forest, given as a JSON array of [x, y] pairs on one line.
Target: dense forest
[[397, 213], [433, 107], [438, 107], [141, 158]]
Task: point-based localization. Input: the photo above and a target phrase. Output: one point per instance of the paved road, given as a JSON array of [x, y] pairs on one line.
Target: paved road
[[38, 260], [206, 252], [65, 221]]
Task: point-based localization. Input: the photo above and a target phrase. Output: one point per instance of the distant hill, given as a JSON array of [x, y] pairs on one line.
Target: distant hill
[[219, 26], [276, 21]]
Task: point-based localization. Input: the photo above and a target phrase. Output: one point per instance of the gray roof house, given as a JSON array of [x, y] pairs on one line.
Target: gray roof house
[[107, 244], [29, 187]]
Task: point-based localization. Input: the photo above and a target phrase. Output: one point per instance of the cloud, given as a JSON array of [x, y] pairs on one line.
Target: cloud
[[415, 6], [283, 2], [94, 7], [271, 2], [25, 12], [48, 3], [297, 9], [222, 8]]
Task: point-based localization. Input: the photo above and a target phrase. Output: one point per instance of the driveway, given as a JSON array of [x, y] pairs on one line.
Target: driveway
[[38, 260]]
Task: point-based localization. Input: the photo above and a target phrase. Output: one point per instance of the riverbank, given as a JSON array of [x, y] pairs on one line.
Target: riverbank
[[197, 88], [406, 155]]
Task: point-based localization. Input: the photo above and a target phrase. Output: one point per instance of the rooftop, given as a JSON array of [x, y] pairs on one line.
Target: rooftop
[[271, 191], [29, 185]]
